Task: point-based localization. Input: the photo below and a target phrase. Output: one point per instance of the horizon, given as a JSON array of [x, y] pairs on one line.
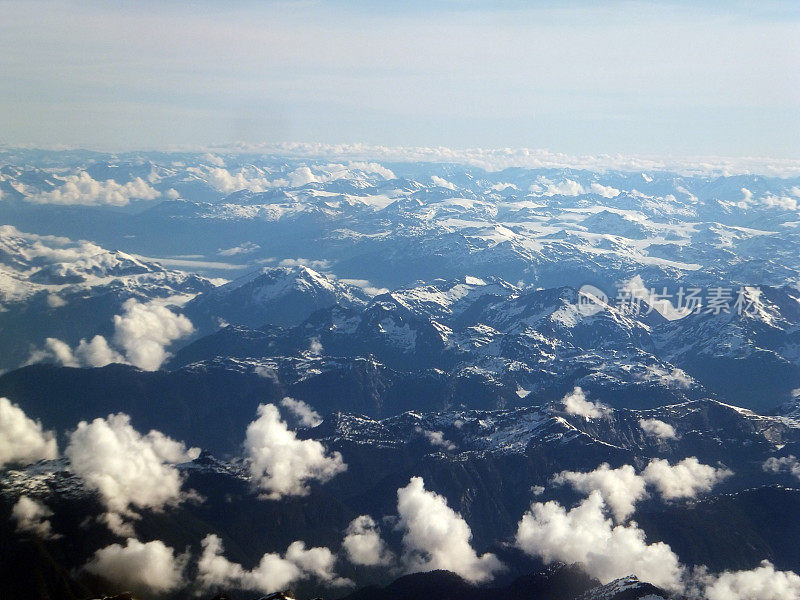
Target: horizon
[[628, 77]]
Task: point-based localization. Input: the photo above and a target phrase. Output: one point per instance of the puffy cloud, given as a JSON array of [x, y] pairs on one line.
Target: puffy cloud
[[213, 159], [55, 301], [82, 189], [604, 190], [304, 262], [676, 378], [683, 480], [620, 488], [545, 187], [144, 331], [659, 429], [788, 464], [575, 403], [584, 534], [31, 517], [126, 468], [783, 202], [436, 537], [243, 248], [253, 180], [441, 182], [363, 544], [149, 568], [22, 440], [436, 438], [96, 353], [273, 572], [761, 583], [281, 464], [306, 415], [365, 285]]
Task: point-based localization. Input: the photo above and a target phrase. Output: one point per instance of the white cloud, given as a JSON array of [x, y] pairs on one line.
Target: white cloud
[[273, 572], [281, 464], [243, 248], [304, 262], [788, 464], [783, 202], [82, 189], [684, 479], [584, 534], [761, 583], [441, 182], [365, 285], [605, 190], [55, 301], [546, 187], [363, 544], [144, 331], [149, 568], [436, 438], [659, 429], [127, 469], [620, 488], [306, 415], [252, 180], [22, 440], [436, 537], [173, 194], [575, 403], [96, 353], [213, 159], [31, 517], [676, 378]]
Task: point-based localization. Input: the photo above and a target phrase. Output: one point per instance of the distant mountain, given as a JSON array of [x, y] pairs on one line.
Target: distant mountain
[[276, 296]]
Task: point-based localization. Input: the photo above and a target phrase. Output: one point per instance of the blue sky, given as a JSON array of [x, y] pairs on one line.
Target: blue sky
[[667, 78]]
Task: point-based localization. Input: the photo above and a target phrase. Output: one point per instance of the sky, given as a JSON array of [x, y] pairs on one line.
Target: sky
[[669, 78]]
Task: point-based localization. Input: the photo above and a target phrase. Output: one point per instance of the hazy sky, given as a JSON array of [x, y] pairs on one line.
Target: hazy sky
[[683, 78]]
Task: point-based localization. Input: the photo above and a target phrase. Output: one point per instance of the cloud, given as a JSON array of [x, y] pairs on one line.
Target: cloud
[[620, 488], [363, 544], [436, 438], [252, 180], [584, 534], [304, 262], [324, 173], [684, 479], [127, 469], [82, 189], [441, 182], [282, 465], [788, 464], [306, 415], [436, 537], [365, 285], [144, 330], [55, 301], [761, 583], [676, 378], [31, 517], [575, 403], [213, 159], [273, 572], [244, 248], [22, 440], [604, 190], [149, 568], [546, 187], [660, 429]]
